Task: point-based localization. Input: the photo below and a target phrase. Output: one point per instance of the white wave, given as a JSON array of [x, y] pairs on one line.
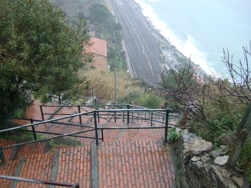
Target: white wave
[[186, 47], [153, 1], [190, 50]]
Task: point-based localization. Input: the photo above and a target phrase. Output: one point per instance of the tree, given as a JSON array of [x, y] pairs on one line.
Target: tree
[[39, 53], [214, 107], [181, 88], [99, 13]]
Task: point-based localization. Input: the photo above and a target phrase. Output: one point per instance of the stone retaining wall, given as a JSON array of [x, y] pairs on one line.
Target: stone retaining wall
[[200, 167]]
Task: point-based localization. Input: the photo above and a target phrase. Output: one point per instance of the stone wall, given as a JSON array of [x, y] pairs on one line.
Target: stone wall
[[200, 167]]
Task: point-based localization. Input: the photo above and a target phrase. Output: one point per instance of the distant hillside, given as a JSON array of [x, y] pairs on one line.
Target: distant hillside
[[75, 8]]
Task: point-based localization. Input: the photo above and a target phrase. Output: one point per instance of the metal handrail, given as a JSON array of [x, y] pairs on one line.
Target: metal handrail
[[80, 114], [45, 121], [46, 139], [96, 115], [76, 185]]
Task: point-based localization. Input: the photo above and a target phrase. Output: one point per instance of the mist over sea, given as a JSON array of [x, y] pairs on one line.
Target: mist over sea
[[200, 29]]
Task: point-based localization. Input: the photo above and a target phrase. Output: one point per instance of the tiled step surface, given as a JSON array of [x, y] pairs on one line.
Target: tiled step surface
[[135, 164], [65, 165], [36, 167], [126, 158], [7, 169], [8, 153]]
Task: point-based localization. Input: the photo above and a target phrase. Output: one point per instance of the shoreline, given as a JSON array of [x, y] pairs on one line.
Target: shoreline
[[200, 73], [172, 56], [169, 45]]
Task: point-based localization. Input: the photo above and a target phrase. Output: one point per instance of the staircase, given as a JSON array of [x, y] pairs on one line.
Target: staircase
[[126, 157]]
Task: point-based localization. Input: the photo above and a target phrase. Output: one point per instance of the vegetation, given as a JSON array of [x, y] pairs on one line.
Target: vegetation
[[62, 141], [109, 30], [104, 23], [100, 14], [151, 101], [173, 135], [39, 54], [213, 108], [23, 135], [101, 84], [244, 160], [180, 83]]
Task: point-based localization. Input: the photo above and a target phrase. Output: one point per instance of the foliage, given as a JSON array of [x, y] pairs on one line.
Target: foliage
[[151, 101], [221, 119], [112, 53], [39, 53], [131, 96], [101, 84], [177, 85], [213, 106], [173, 135], [99, 13], [22, 134], [65, 142], [244, 161]]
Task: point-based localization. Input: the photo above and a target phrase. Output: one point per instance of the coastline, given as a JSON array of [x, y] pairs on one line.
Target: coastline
[[199, 71], [172, 56]]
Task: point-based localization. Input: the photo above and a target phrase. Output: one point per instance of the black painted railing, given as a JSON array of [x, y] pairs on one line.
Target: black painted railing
[[76, 185]]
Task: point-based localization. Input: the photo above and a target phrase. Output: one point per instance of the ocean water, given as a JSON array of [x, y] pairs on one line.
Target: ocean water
[[201, 29]]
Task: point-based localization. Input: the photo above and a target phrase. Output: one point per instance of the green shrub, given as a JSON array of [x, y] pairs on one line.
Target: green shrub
[[151, 101], [173, 135], [244, 161], [65, 142], [22, 135]]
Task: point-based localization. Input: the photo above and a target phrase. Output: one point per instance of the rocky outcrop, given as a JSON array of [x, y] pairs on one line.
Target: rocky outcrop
[[200, 167]]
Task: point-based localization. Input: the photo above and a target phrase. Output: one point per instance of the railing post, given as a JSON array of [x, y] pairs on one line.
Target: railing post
[[1, 155], [96, 126], [79, 111], [123, 117], [128, 118], [98, 114], [33, 130], [166, 124], [115, 119], [102, 132], [151, 119], [41, 110]]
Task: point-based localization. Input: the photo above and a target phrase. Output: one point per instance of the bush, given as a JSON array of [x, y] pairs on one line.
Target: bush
[[151, 101], [173, 135], [244, 161], [65, 142]]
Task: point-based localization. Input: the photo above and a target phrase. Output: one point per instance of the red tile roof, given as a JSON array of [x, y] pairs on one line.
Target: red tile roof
[[98, 47]]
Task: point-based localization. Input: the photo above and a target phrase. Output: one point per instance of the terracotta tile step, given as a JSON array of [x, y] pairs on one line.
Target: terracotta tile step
[[135, 164]]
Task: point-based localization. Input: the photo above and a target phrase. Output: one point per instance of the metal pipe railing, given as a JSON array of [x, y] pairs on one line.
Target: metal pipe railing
[[96, 114], [76, 185]]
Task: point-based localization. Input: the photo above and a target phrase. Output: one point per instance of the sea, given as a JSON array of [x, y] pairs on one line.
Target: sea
[[201, 29]]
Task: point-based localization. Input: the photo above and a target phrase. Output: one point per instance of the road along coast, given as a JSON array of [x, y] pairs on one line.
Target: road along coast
[[149, 53]]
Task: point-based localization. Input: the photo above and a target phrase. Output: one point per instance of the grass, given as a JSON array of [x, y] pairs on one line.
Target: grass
[[62, 141], [23, 135]]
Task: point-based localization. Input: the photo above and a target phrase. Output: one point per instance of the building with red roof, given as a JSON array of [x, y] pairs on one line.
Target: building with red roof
[[98, 48]]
